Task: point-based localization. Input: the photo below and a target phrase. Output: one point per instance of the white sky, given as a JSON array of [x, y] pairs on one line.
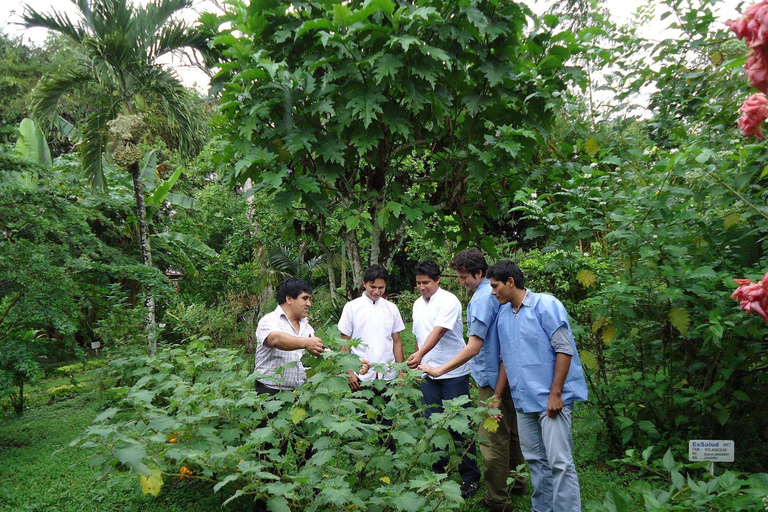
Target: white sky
[[621, 11]]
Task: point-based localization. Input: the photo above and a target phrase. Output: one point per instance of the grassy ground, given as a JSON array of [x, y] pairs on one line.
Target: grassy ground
[[39, 472]]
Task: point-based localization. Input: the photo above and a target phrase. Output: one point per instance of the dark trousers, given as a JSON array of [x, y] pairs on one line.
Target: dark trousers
[[436, 391]]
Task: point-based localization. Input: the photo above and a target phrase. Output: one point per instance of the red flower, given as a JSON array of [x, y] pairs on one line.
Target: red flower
[[753, 296], [754, 112]]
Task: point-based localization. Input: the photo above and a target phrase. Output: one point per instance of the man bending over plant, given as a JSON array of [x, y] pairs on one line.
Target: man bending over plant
[[545, 376], [283, 335]]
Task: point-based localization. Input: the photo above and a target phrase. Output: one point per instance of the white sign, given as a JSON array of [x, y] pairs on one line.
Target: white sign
[[95, 344], [713, 451]]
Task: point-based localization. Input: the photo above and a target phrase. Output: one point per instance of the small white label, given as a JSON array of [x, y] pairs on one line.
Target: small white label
[[713, 451], [95, 345]]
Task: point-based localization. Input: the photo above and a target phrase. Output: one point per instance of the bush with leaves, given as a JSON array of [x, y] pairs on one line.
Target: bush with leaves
[[670, 485], [192, 413]]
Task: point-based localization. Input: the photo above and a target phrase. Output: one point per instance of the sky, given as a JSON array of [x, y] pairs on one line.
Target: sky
[[621, 10]]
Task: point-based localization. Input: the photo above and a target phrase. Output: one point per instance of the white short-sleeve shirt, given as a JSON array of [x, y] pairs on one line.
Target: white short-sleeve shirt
[[373, 323], [268, 359], [443, 309]]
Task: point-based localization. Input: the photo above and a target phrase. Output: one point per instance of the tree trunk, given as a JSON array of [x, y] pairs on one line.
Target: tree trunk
[[353, 252], [146, 253]]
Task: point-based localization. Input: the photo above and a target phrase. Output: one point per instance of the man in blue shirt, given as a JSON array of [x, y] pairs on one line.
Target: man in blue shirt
[[542, 365], [500, 449]]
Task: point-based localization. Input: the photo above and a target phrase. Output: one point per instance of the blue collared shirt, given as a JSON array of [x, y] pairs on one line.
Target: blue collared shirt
[[481, 322], [525, 340]]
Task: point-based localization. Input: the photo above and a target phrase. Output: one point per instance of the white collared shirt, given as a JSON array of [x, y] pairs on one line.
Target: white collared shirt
[[373, 323], [443, 309], [268, 359]]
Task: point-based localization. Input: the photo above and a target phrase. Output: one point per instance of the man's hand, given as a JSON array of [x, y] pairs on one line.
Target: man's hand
[[554, 405], [414, 360], [314, 345], [365, 365], [496, 404], [430, 370], [354, 382]]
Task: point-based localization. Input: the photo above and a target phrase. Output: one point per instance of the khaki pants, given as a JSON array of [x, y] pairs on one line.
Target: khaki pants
[[501, 451]]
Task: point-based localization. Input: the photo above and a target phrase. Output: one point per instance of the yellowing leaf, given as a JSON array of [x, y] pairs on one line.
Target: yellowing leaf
[[731, 219], [597, 324], [491, 424], [370, 414], [152, 483], [609, 334], [297, 415], [680, 320], [716, 58], [588, 359], [385, 479], [591, 147], [586, 277]]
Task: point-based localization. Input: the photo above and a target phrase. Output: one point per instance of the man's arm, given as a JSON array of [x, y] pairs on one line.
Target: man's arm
[[435, 336], [354, 380], [397, 347], [555, 402], [283, 341], [468, 352]]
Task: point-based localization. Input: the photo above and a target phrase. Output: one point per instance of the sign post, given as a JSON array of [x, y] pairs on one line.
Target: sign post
[[712, 451]]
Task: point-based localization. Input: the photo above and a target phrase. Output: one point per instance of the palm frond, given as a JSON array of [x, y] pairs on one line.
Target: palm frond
[[51, 88], [94, 143], [169, 90], [158, 12], [176, 36], [56, 22]]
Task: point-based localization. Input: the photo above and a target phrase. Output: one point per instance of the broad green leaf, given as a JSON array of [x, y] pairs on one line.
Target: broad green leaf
[[189, 242], [680, 320], [588, 359], [731, 219], [161, 192]]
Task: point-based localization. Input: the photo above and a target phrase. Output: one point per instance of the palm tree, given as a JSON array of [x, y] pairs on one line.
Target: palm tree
[[121, 44]]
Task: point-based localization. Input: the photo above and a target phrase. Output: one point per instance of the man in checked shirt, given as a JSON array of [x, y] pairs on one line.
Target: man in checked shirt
[[283, 335]]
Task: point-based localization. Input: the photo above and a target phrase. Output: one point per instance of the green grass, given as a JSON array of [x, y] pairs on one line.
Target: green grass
[[40, 472]]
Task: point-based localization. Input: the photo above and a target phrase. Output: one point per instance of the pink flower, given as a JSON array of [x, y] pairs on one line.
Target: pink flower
[[757, 69], [753, 296], [753, 112], [751, 26]]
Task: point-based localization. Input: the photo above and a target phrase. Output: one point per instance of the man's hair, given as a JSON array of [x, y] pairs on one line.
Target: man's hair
[[505, 269], [375, 272], [292, 287], [427, 267], [470, 260]]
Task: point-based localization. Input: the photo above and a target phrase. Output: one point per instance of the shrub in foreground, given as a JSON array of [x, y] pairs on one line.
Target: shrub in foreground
[[191, 413]]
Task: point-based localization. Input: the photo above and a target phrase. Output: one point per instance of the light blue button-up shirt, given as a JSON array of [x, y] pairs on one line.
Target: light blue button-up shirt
[[481, 322], [529, 359]]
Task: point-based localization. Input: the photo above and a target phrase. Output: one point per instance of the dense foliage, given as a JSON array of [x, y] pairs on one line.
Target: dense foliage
[[608, 165]]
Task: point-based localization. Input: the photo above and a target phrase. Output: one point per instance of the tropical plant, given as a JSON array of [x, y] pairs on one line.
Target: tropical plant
[[121, 46], [366, 117]]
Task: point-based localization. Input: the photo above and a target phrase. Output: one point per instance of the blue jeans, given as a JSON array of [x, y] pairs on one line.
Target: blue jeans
[[435, 391], [548, 449]]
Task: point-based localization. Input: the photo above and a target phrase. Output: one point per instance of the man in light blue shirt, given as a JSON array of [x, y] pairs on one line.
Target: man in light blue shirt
[[545, 376], [500, 449]]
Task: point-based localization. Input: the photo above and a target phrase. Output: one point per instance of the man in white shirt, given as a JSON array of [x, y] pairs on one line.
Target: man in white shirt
[[377, 323], [439, 331], [282, 336]]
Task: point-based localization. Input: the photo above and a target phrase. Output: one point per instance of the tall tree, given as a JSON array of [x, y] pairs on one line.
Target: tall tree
[[121, 47], [383, 113]]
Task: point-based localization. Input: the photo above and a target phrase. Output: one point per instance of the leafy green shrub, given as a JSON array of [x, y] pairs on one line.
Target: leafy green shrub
[[61, 392], [18, 365], [670, 485], [192, 412], [218, 323]]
